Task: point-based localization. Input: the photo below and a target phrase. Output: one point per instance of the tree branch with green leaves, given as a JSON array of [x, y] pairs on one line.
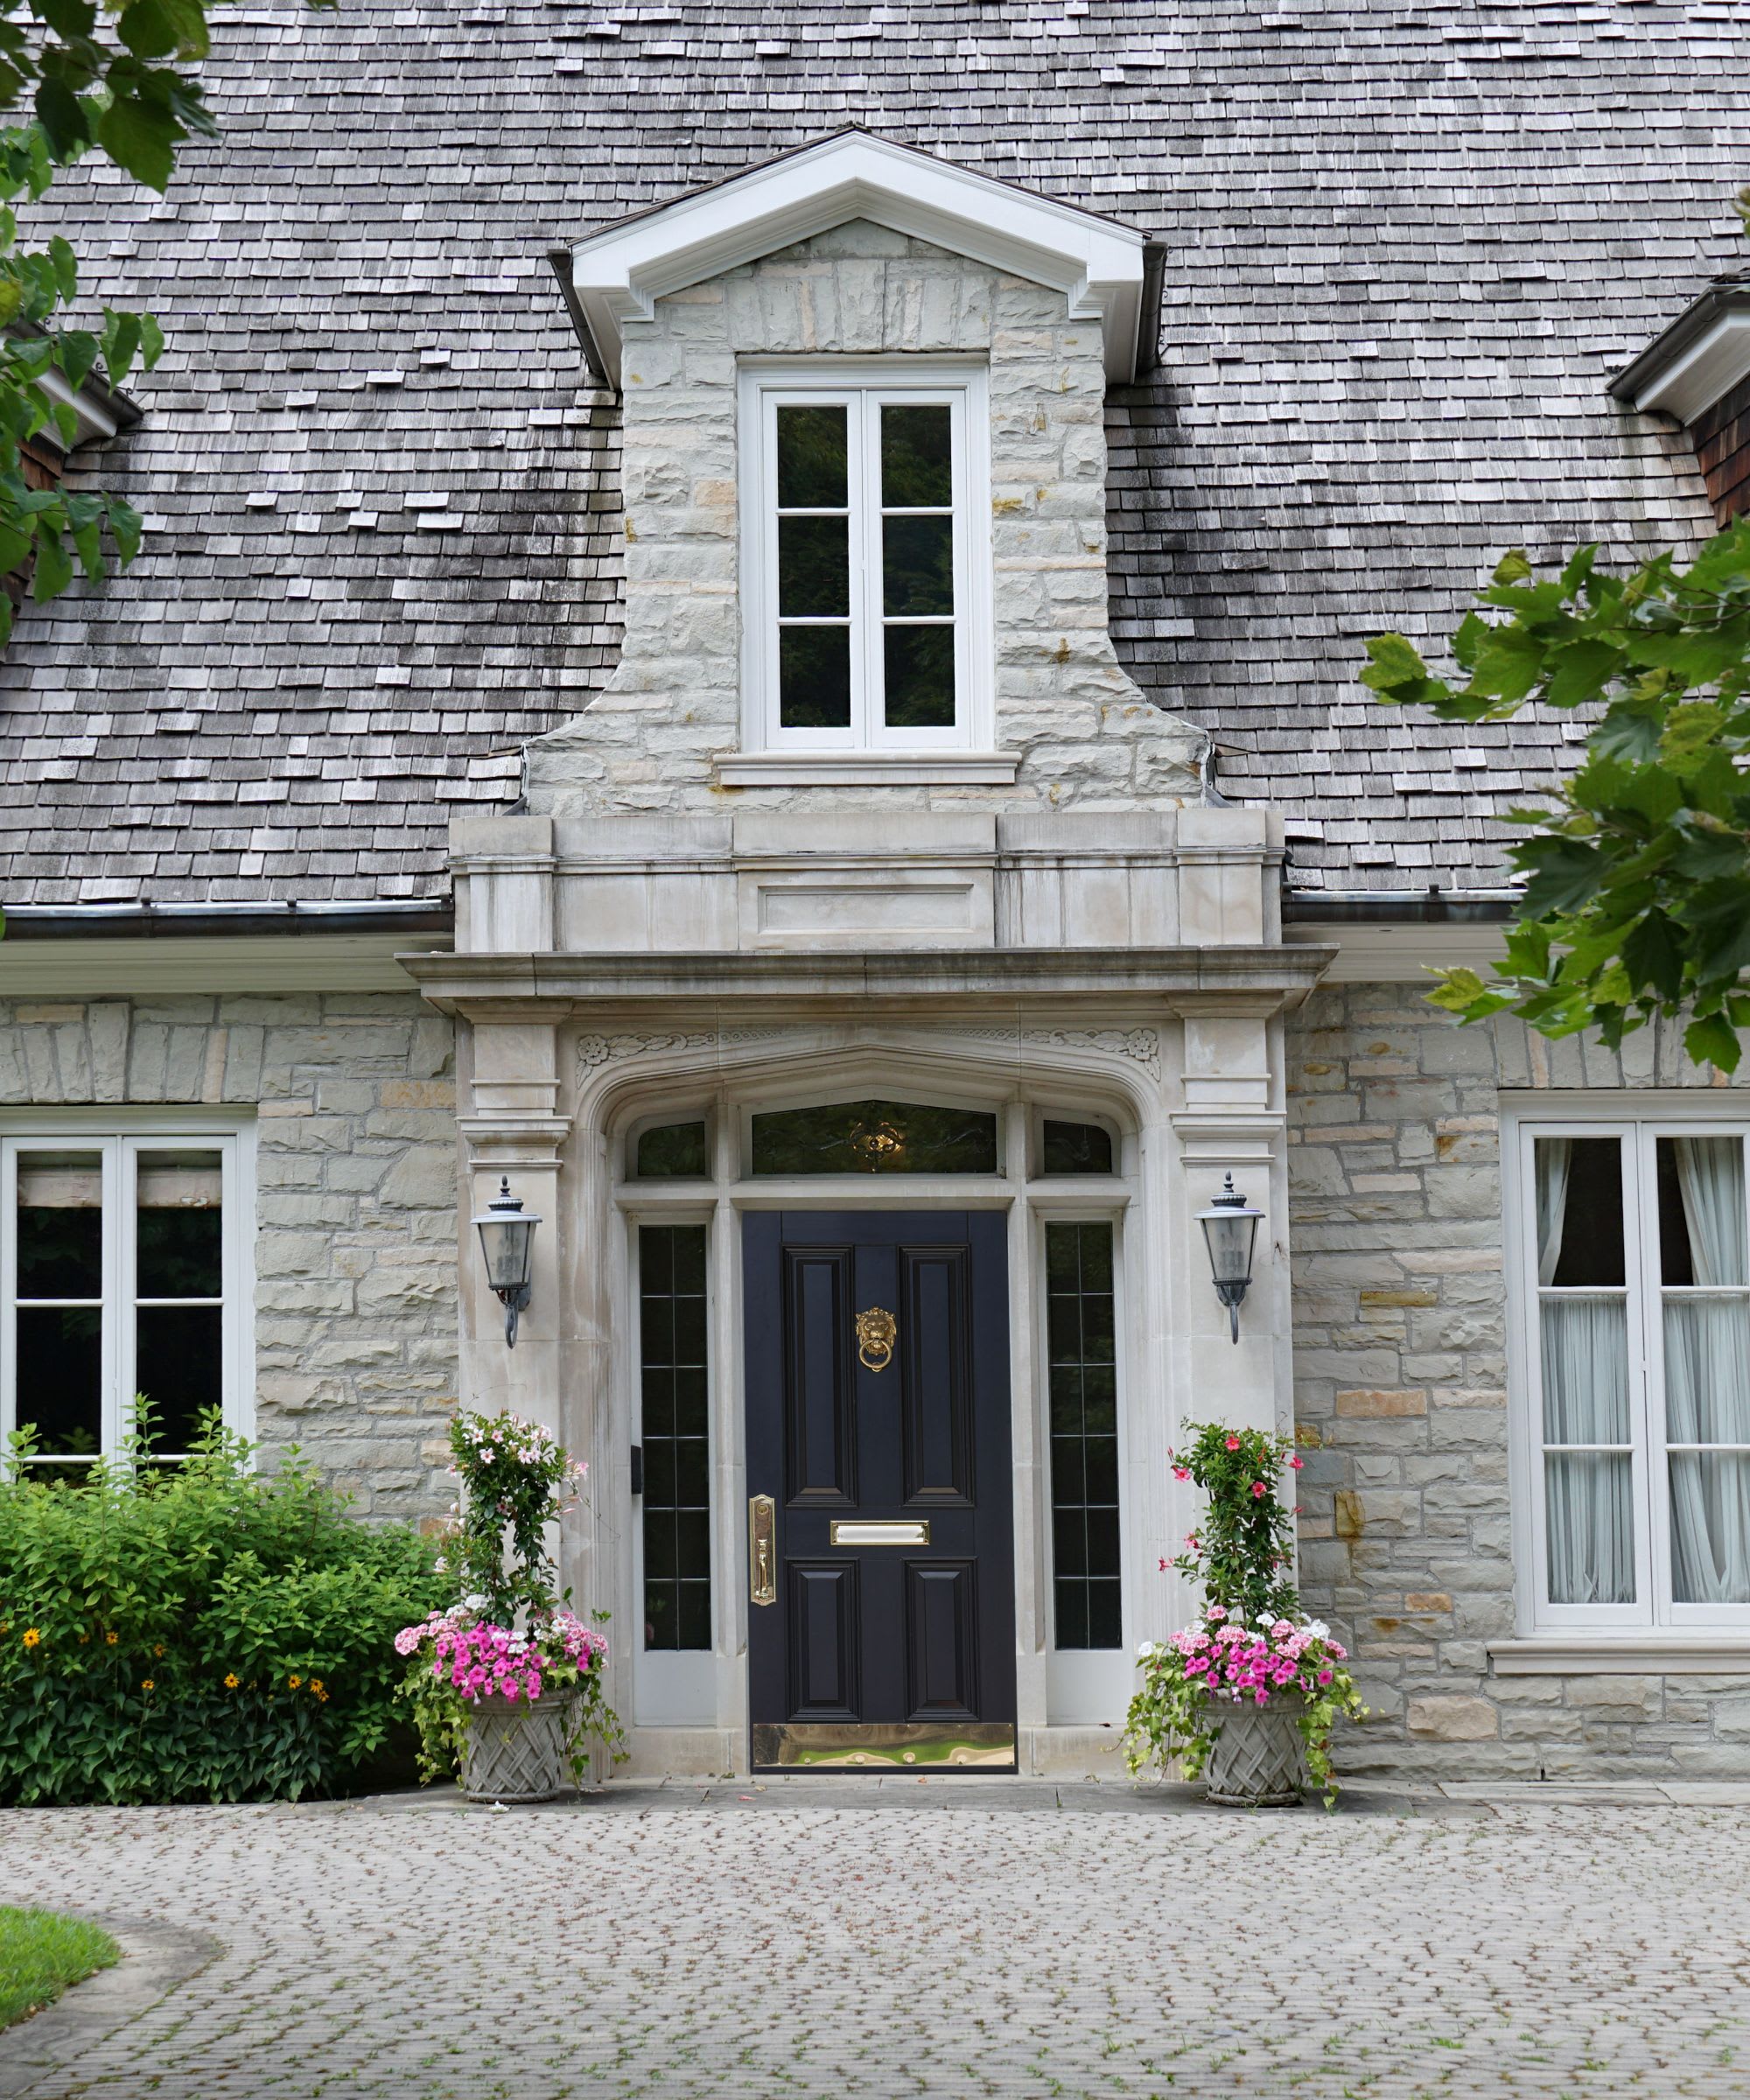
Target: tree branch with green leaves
[[1636, 870]]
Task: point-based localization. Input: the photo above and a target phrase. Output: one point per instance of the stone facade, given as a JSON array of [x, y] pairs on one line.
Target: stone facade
[[354, 1098], [1087, 733], [1401, 1396]]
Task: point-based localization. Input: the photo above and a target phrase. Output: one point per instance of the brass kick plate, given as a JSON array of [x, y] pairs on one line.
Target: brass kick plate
[[876, 1747], [853, 1532]]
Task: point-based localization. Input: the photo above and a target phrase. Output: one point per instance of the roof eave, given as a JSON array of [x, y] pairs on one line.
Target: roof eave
[[1697, 361]]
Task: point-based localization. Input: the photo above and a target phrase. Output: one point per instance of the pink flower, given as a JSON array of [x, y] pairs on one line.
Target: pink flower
[[1233, 1442], [1297, 1463], [1180, 1473], [1258, 1488], [1324, 1676], [1216, 1611]]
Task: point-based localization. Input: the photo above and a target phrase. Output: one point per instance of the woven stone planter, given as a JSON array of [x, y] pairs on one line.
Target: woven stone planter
[[515, 1750], [1258, 1760]]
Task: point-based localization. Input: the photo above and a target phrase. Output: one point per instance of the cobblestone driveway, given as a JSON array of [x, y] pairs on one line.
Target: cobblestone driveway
[[853, 1945]]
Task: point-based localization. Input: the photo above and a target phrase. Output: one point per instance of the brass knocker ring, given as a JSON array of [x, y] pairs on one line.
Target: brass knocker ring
[[877, 1332]]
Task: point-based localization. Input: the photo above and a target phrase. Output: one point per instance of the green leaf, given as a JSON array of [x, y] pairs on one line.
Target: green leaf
[[1565, 874], [1653, 954], [54, 565], [65, 122], [128, 528], [1392, 661], [1508, 664], [65, 267], [1712, 1041], [1512, 567], [141, 138], [1581, 671]]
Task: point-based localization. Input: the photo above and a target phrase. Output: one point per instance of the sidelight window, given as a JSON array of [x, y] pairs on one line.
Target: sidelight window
[[675, 1373], [865, 588], [1082, 1395], [1636, 1283], [123, 1267]]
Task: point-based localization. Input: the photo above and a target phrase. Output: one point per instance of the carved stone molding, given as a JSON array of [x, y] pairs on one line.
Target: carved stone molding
[[595, 1051]]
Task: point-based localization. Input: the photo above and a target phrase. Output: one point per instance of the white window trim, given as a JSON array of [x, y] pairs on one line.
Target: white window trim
[[118, 1137], [1654, 1625], [965, 385]]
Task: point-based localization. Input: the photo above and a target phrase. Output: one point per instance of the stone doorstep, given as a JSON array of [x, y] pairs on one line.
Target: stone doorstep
[[899, 1792], [155, 1958]]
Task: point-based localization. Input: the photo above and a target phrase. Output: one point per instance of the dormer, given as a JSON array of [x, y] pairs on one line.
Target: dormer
[[864, 470], [1699, 370]]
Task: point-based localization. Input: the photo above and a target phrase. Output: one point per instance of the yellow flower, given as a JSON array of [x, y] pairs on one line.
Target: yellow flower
[[232, 1680], [294, 1681], [145, 1683], [112, 1638], [159, 1649], [316, 1686], [83, 1638], [32, 1638]]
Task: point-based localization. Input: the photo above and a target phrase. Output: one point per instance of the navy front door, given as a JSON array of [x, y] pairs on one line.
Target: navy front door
[[880, 1563]]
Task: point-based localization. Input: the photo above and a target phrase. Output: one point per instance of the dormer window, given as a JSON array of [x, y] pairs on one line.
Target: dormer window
[[865, 565]]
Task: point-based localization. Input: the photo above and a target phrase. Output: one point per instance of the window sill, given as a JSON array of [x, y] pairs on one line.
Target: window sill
[[1622, 1654], [868, 769]]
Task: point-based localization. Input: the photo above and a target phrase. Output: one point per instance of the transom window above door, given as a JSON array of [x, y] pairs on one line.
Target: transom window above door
[[865, 558]]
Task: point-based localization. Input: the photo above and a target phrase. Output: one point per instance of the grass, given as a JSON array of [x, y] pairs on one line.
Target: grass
[[40, 1954]]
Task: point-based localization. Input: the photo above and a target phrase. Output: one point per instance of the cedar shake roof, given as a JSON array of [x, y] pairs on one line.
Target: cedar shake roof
[[1407, 249]]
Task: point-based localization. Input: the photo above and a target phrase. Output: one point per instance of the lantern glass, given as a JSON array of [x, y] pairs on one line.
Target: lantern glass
[[508, 1241], [1230, 1236]]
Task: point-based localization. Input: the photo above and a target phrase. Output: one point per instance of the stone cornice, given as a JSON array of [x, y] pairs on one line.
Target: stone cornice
[[1238, 979]]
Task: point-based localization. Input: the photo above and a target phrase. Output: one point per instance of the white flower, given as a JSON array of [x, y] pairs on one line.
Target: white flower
[[1316, 1630]]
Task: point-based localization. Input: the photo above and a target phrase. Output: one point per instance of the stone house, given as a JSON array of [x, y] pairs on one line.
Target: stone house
[[749, 634]]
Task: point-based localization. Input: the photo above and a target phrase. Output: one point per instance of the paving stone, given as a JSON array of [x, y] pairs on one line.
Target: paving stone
[[816, 1940]]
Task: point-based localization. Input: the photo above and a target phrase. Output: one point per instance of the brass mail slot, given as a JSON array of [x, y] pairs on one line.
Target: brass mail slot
[[851, 1532]]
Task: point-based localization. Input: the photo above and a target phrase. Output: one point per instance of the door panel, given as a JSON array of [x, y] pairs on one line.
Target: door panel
[[935, 1301], [820, 1418], [942, 1625], [823, 1640], [896, 1642]]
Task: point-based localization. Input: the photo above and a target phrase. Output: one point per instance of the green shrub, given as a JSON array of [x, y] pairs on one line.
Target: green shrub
[[205, 1631]]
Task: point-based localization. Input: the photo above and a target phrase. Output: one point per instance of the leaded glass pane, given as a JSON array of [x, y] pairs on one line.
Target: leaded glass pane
[[676, 1439], [672, 1151], [1075, 1148], [875, 1137], [1082, 1402]]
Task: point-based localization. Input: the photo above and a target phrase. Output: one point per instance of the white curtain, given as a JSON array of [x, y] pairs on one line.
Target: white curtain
[[1588, 1496], [1554, 1157], [1707, 1382]]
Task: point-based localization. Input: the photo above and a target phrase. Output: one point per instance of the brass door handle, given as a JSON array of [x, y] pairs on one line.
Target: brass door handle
[[762, 1571]]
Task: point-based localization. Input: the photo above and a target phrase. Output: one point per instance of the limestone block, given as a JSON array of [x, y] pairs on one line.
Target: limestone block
[[424, 1177], [1449, 1718]]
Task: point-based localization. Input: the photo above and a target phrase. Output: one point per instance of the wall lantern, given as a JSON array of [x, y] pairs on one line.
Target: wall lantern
[[507, 1242], [1230, 1231]]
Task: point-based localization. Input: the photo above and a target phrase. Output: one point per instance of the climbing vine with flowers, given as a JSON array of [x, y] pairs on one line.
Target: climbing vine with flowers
[[1253, 1642], [509, 1640]]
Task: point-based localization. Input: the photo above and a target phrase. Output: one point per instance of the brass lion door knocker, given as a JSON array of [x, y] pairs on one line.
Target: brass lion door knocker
[[877, 1332]]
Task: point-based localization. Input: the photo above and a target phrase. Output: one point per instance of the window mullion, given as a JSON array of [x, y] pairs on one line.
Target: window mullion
[[119, 1368], [767, 582], [9, 1290], [866, 594], [1646, 1314]]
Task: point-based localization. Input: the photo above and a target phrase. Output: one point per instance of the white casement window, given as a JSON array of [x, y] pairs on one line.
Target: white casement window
[[865, 557], [1632, 1347], [125, 1268]]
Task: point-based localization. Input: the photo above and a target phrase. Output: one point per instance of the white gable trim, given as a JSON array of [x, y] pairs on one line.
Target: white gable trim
[[1096, 263]]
